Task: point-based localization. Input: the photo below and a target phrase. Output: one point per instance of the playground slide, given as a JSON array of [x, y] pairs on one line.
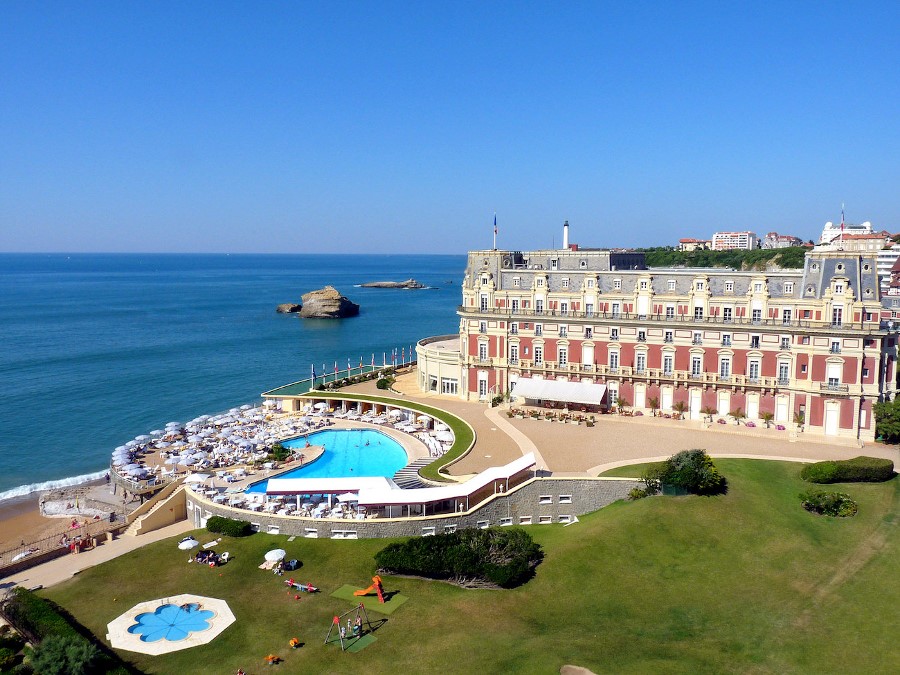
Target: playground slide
[[374, 588]]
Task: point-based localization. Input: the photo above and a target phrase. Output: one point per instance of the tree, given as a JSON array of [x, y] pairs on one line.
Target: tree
[[887, 420], [654, 405], [621, 404], [767, 417], [65, 655], [737, 415], [799, 420], [679, 408], [691, 470], [709, 411]]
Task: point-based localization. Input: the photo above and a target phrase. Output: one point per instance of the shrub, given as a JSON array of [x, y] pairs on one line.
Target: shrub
[[229, 526], [835, 504], [471, 557], [856, 470], [694, 471], [279, 453], [384, 383], [65, 655]]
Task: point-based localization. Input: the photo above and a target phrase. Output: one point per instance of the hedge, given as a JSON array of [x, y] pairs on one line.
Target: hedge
[[229, 527], [856, 470], [40, 620], [470, 557]]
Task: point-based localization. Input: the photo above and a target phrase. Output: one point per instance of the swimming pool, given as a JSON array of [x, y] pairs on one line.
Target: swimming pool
[[348, 452], [171, 622]]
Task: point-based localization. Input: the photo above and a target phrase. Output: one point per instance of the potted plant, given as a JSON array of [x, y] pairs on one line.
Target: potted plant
[[737, 415], [679, 409], [654, 406], [709, 411], [767, 417]]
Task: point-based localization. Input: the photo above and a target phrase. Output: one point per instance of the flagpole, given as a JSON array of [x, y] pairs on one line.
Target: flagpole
[[495, 230]]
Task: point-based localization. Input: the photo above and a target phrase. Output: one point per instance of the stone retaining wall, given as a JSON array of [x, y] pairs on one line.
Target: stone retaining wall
[[537, 501]]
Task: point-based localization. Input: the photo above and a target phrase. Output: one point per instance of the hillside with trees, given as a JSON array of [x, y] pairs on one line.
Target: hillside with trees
[[757, 259]]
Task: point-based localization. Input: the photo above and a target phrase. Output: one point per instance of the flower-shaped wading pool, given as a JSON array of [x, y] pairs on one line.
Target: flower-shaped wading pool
[[171, 622]]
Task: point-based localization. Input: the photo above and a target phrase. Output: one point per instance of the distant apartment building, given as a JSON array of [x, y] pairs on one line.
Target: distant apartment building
[[887, 258], [689, 244], [775, 240], [727, 241], [857, 243]]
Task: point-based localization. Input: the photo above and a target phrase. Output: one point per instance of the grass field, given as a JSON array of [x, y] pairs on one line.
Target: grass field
[[747, 582]]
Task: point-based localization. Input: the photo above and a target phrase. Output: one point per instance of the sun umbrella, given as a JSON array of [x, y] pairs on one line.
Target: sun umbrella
[[197, 478], [188, 544], [444, 436], [423, 418], [157, 432], [131, 467], [246, 407], [275, 555], [440, 426], [173, 460], [121, 448], [142, 437], [396, 412], [348, 497], [269, 402], [320, 406]]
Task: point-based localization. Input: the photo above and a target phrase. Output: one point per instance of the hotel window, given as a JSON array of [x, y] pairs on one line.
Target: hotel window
[[671, 284], [613, 333], [540, 283], [753, 370], [757, 287], [837, 315], [563, 331], [699, 286], [641, 362], [642, 336], [538, 354], [582, 264], [482, 327], [514, 354], [725, 367], [538, 329], [517, 281], [614, 361], [539, 306], [669, 336], [839, 288], [564, 308], [698, 314], [554, 264], [835, 347], [565, 499], [615, 309], [565, 283], [484, 303], [729, 287], [726, 314], [698, 338], [786, 315], [754, 342], [449, 386], [515, 305], [482, 351], [590, 283], [784, 372], [589, 309], [785, 343], [588, 333], [643, 285], [670, 311], [668, 362], [696, 366], [484, 281], [756, 315], [562, 355], [726, 340], [617, 283], [789, 288]]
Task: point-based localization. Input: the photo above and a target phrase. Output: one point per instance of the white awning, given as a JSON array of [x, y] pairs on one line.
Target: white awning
[[320, 486], [556, 390], [373, 497]]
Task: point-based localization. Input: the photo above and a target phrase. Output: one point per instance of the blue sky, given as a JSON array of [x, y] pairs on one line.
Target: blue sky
[[380, 126]]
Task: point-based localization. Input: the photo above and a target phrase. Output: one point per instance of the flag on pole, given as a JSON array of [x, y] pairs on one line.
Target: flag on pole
[[373, 360], [360, 364], [495, 224], [383, 359], [403, 355], [349, 369], [313, 374]]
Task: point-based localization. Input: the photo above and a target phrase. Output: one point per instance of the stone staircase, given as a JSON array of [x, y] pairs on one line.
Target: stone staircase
[[137, 525], [408, 477]]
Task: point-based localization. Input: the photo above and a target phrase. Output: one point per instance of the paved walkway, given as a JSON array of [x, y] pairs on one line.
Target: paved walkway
[[56, 571]]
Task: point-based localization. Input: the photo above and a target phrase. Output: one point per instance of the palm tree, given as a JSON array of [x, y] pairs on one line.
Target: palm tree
[[738, 415], [799, 420], [679, 408], [767, 417], [654, 405], [621, 403], [709, 411]]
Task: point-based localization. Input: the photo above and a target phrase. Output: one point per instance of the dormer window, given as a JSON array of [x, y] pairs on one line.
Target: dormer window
[[484, 281], [838, 288], [554, 264], [583, 264], [540, 283], [788, 287], [757, 287], [617, 284], [643, 284], [565, 283], [729, 287], [699, 286], [671, 284], [840, 267], [517, 282], [590, 283]]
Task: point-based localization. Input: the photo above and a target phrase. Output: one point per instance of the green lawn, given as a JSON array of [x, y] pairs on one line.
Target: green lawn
[[748, 582]]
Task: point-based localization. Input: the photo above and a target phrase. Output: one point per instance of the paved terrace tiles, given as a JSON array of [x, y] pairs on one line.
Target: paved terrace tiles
[[570, 449]]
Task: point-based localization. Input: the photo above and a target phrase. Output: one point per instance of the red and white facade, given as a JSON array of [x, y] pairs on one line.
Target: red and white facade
[[800, 344]]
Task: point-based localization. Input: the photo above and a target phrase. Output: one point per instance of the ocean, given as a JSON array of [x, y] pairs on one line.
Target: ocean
[[98, 348]]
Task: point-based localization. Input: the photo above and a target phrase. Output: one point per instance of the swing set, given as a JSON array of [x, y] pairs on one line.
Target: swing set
[[356, 629]]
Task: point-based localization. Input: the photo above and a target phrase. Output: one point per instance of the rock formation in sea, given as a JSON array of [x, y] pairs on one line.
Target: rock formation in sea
[[327, 303], [288, 308], [409, 283]]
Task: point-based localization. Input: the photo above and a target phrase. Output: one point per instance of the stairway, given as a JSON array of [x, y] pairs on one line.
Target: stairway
[[136, 526], [408, 477]]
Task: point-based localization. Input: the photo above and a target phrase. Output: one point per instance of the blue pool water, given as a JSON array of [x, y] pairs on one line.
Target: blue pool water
[[171, 622], [348, 452]]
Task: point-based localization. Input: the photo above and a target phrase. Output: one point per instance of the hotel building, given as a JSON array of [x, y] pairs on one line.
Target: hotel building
[[727, 241], [805, 344]]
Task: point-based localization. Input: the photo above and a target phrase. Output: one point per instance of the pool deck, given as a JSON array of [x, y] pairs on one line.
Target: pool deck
[[119, 637]]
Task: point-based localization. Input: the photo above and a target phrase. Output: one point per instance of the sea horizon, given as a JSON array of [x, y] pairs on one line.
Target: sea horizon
[[102, 347]]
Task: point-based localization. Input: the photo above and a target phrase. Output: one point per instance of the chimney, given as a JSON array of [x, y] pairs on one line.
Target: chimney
[[566, 235]]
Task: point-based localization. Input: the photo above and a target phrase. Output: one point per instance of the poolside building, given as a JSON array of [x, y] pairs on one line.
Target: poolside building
[[806, 345]]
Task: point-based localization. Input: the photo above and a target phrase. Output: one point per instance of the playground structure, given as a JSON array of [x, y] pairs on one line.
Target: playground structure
[[305, 588], [376, 587], [355, 631]]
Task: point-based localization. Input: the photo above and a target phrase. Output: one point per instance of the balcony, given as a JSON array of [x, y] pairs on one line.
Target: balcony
[[835, 349], [514, 362], [834, 388], [697, 341], [724, 379], [785, 346], [669, 339], [783, 381], [726, 343]]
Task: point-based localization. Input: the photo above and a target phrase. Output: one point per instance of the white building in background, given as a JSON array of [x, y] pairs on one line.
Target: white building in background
[[727, 241], [833, 230], [886, 259], [775, 240]]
